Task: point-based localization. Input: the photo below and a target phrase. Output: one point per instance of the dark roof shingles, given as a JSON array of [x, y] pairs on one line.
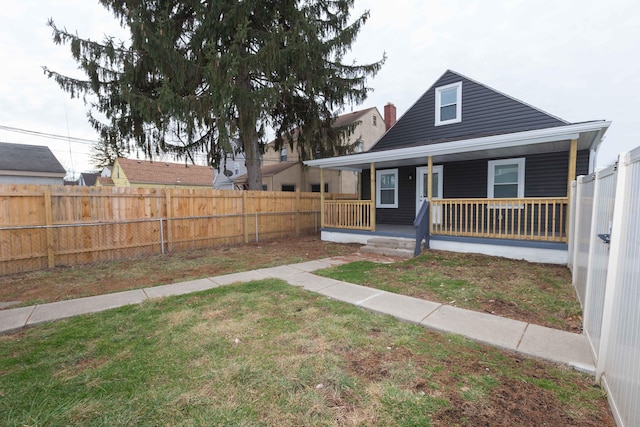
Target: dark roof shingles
[[28, 158]]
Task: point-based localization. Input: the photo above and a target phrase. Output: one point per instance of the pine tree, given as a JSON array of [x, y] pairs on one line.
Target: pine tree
[[196, 74], [103, 154]]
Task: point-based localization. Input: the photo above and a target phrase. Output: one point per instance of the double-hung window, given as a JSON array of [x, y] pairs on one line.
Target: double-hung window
[[387, 188], [449, 104], [506, 179]]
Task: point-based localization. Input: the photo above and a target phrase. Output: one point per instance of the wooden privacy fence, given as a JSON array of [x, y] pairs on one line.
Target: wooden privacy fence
[[44, 226]]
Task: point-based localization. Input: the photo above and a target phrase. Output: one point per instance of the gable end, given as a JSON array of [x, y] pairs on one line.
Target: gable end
[[484, 111]]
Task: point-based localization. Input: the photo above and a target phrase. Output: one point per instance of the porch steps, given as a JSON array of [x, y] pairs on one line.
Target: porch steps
[[390, 246]]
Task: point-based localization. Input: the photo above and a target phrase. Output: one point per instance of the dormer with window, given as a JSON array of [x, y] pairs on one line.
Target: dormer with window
[[283, 155], [448, 104]]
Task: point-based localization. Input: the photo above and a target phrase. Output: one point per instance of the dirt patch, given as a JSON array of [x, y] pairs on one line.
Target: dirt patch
[[507, 401], [64, 283]]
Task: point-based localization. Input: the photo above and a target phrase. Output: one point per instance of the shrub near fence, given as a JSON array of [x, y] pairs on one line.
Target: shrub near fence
[[44, 226]]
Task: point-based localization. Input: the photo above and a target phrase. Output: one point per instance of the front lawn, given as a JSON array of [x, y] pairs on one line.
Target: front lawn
[[534, 293], [269, 354]]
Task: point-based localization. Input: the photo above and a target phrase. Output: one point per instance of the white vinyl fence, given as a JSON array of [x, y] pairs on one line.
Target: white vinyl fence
[[580, 237], [605, 258]]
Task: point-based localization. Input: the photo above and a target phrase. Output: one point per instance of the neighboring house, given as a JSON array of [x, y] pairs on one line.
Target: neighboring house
[[104, 180], [284, 171], [88, 179], [496, 170], [144, 173], [29, 164], [231, 168]]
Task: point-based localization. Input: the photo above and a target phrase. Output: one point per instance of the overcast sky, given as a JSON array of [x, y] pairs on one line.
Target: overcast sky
[[576, 59]]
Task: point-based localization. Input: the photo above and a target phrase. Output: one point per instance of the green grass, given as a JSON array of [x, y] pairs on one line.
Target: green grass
[[534, 293], [262, 354]]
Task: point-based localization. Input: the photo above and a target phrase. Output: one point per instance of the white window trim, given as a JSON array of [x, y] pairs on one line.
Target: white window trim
[[395, 192], [491, 177], [458, 118]]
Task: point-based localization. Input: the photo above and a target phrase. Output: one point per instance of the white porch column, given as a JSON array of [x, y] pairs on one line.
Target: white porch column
[[321, 197], [373, 196], [430, 178]]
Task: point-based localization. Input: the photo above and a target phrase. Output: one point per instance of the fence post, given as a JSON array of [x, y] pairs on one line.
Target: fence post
[[570, 230], [245, 228], [256, 227], [617, 244], [298, 213], [161, 237], [169, 209], [49, 222], [579, 217]]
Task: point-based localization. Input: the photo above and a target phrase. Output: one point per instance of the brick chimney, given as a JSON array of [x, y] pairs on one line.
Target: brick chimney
[[389, 115]]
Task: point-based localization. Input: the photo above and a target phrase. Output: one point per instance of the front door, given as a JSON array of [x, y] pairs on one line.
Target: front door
[[422, 176]]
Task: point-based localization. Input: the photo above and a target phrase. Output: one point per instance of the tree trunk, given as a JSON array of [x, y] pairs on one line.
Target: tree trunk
[[252, 160], [248, 135]]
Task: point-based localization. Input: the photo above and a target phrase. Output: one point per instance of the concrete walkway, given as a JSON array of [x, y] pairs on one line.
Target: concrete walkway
[[512, 335]]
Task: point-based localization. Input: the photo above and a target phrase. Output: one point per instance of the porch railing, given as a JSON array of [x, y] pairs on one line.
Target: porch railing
[[351, 214], [542, 219]]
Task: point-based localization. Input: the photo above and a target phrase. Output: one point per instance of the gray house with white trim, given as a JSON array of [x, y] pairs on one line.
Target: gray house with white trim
[[496, 170], [29, 164]]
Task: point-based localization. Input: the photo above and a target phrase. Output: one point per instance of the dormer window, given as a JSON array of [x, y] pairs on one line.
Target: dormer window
[[283, 155], [449, 104]]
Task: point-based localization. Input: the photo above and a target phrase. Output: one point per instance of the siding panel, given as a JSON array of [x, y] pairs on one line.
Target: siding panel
[[484, 112], [545, 176]]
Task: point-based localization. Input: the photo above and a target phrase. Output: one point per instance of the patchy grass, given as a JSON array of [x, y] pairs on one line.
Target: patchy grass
[[534, 293], [265, 353], [80, 281]]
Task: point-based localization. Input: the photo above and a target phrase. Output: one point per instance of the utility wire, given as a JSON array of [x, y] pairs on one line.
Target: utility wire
[[48, 135]]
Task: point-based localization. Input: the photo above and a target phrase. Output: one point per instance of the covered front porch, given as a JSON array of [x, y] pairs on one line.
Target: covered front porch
[[485, 199], [465, 228], [532, 219]]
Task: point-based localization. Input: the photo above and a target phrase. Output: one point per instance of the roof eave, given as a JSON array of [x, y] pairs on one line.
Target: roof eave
[[537, 136]]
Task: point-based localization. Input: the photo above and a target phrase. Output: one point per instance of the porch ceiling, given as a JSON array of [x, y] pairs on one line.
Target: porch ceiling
[[589, 136]]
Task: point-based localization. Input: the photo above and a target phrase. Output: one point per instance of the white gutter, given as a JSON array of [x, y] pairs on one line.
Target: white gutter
[[538, 136]]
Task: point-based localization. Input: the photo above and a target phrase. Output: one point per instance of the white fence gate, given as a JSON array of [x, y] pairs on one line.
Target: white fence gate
[[605, 257]]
